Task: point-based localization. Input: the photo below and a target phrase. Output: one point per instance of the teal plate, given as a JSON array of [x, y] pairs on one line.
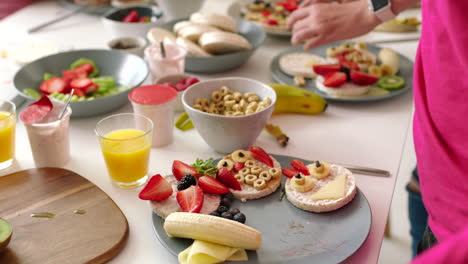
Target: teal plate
[[406, 71], [291, 235]]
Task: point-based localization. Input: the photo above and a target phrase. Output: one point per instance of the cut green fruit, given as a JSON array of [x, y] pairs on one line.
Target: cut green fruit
[[33, 93], [391, 82], [6, 231]]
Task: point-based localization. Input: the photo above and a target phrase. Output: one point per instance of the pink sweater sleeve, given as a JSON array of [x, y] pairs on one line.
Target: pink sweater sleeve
[[453, 250]]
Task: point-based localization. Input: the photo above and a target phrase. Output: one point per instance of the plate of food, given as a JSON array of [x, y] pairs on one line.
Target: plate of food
[[343, 71], [258, 208], [271, 15]]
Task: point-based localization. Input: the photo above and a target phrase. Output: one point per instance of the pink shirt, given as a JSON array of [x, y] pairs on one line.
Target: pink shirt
[[441, 126]]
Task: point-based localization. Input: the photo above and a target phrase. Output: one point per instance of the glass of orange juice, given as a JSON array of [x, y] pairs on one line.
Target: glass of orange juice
[[125, 141], [7, 133]]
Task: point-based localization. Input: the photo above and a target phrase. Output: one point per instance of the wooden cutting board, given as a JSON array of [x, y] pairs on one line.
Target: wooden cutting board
[[94, 237]]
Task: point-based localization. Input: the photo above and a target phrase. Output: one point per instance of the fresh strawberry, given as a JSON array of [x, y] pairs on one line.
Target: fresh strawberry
[[265, 13], [79, 92], [226, 177], [190, 81], [81, 83], [289, 172], [144, 19], [238, 166], [69, 75], [180, 169], [261, 155], [53, 85], [131, 17], [180, 87], [93, 87], [271, 22], [361, 78], [325, 69], [36, 111], [191, 199], [157, 189], [335, 79], [211, 185], [85, 67], [348, 64], [300, 166]]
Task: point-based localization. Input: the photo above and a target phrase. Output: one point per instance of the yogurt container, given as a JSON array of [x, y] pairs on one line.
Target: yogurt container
[[156, 102], [172, 63], [48, 138]]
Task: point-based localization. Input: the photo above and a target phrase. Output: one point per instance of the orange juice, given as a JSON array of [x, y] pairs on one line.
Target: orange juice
[[7, 136], [126, 153]]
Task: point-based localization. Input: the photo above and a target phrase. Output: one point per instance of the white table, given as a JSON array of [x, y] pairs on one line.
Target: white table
[[361, 134]]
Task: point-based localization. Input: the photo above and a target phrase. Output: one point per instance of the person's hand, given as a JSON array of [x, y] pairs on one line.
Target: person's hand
[[321, 23]]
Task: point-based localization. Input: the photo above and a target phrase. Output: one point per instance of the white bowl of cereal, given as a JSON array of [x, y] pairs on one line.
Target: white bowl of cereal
[[229, 113]]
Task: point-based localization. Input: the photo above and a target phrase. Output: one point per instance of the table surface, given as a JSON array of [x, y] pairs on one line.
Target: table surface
[[369, 134]]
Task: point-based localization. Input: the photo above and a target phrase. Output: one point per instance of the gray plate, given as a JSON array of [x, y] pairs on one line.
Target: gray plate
[[291, 235], [126, 68], [406, 71], [220, 63]]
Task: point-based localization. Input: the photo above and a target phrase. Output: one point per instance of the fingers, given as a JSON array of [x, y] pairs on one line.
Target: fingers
[[316, 41], [296, 16], [310, 2], [300, 25], [304, 35]]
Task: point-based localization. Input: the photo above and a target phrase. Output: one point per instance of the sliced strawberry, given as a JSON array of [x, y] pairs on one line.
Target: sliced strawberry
[[238, 166], [226, 177], [300, 166], [265, 13], [190, 81], [272, 22], [180, 87], [180, 169], [191, 199], [131, 17], [93, 87], [211, 185], [36, 111], [348, 64], [157, 189], [53, 85], [361, 78], [325, 69], [261, 155], [81, 83], [85, 67], [289, 172], [79, 92], [335, 79]]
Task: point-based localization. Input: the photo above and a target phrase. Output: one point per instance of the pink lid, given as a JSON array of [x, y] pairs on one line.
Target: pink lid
[[153, 94]]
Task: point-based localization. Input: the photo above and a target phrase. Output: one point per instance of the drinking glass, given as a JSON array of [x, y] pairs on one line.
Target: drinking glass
[[7, 133]]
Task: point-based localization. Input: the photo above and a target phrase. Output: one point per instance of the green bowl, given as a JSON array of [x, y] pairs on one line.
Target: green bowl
[[221, 63], [126, 68]]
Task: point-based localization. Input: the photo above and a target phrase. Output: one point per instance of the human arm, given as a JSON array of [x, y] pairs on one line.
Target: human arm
[[322, 21], [453, 250]]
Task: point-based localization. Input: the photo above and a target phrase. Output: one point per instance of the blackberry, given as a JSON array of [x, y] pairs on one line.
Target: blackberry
[[229, 195], [226, 202], [222, 209], [227, 215], [187, 181], [234, 211], [346, 71], [239, 217]]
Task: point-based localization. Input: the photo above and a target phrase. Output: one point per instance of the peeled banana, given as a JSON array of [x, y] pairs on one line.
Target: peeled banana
[[389, 57], [292, 99], [212, 229]]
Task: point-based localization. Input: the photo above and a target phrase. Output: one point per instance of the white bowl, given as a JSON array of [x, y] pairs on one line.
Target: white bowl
[[137, 45], [175, 78], [113, 23], [226, 134]]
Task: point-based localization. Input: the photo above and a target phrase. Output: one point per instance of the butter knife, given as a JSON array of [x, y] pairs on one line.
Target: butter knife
[[367, 170]]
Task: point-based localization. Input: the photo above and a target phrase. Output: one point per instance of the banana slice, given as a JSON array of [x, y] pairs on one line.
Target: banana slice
[[192, 48], [302, 183], [212, 229], [156, 35], [386, 70], [319, 169], [218, 42], [375, 70], [225, 163], [240, 156], [223, 22], [195, 31]]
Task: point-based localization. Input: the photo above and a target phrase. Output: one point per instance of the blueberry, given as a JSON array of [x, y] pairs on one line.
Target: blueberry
[[226, 202], [222, 209], [229, 195], [239, 217], [234, 211], [215, 213], [226, 215]]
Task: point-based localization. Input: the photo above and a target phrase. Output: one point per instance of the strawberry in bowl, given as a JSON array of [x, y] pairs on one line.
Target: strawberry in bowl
[[180, 82], [343, 80]]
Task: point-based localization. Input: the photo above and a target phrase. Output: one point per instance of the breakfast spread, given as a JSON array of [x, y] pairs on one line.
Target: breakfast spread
[[271, 15], [227, 102], [319, 187], [399, 25]]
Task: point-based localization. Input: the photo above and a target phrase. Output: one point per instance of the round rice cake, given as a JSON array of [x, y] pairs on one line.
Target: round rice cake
[[303, 201], [300, 64], [346, 89]]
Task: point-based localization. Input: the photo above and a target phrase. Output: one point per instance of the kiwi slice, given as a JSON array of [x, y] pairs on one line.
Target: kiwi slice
[[6, 231], [391, 82]]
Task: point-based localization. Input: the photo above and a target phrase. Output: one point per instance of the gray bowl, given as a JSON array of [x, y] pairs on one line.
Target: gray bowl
[[126, 68], [220, 63]]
